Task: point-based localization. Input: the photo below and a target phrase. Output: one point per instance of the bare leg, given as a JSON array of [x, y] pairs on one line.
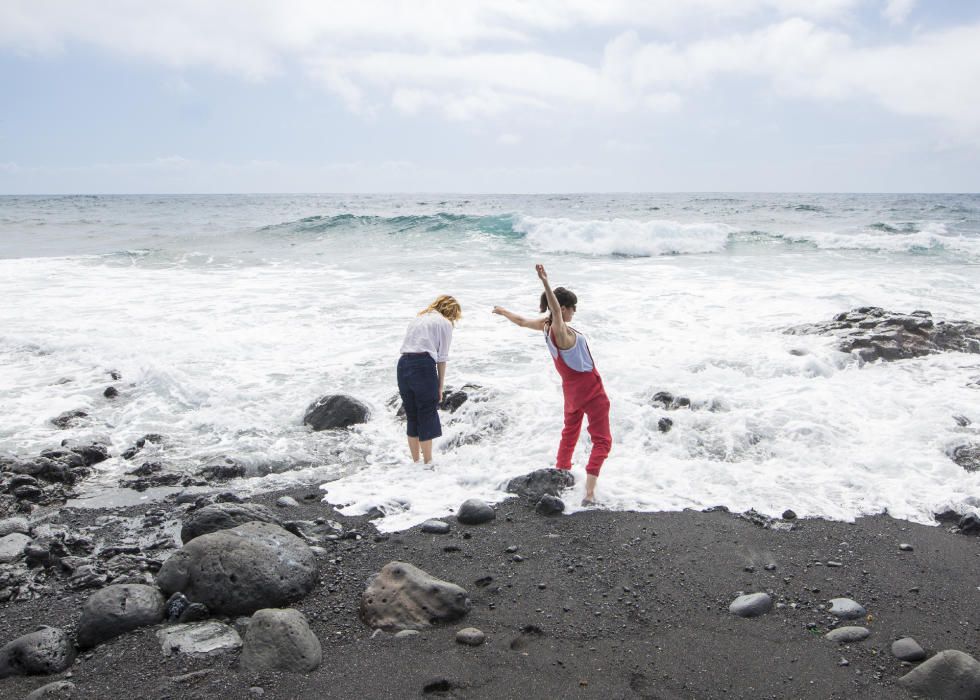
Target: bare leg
[[426, 446], [413, 448], [590, 481]]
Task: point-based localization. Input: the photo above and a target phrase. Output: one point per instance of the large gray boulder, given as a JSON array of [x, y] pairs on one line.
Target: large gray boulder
[[48, 650], [280, 640], [224, 516], [239, 571], [541, 482], [403, 597], [335, 411], [117, 609], [949, 675]]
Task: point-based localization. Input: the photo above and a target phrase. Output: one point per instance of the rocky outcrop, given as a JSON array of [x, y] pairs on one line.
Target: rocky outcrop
[[224, 516], [871, 333], [116, 610], [280, 640], [237, 571], [967, 456], [335, 411], [48, 650], [403, 597]]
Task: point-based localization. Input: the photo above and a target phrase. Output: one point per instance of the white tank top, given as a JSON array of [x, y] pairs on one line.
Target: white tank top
[[576, 357]]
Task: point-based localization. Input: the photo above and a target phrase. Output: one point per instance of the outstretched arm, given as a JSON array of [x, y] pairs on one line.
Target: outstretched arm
[[536, 324], [564, 336]]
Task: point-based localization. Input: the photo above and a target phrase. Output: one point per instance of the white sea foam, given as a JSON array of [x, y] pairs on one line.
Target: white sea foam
[[222, 351], [623, 236], [933, 237]]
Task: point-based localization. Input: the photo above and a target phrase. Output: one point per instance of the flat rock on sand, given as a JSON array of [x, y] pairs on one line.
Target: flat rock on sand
[[751, 605], [238, 571], [846, 635], [59, 690], [199, 638]]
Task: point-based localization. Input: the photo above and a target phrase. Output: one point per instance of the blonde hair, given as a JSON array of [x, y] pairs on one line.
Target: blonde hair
[[447, 306]]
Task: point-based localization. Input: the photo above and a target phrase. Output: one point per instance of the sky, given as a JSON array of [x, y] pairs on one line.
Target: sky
[[510, 96]]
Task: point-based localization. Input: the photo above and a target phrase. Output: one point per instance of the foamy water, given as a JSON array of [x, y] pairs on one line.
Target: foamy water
[[227, 316]]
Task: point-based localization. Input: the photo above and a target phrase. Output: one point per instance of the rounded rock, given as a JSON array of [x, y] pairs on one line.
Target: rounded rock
[[846, 635], [117, 609], [47, 650], [950, 674], [907, 649], [335, 411], [435, 527], [238, 571], [475, 512], [751, 605], [846, 609], [471, 636], [550, 505], [224, 516], [280, 640]]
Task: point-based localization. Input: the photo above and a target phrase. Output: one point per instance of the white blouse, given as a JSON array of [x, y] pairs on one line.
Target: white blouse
[[432, 333]]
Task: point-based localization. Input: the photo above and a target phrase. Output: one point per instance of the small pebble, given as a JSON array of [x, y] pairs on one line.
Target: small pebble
[[905, 547]]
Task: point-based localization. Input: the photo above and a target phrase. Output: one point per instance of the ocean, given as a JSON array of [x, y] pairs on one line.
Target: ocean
[[227, 315]]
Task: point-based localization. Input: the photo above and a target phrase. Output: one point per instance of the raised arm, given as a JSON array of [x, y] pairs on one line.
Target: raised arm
[[564, 336], [536, 324]]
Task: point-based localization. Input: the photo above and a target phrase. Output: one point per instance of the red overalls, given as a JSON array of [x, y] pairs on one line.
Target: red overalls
[[584, 396]]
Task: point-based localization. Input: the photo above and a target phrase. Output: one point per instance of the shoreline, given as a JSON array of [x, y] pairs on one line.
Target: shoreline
[[598, 603]]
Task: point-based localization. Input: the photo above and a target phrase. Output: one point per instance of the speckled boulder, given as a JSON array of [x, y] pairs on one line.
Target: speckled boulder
[[47, 650], [241, 570], [402, 596]]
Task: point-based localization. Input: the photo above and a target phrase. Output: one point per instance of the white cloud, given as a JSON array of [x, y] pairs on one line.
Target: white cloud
[[480, 60], [897, 11]]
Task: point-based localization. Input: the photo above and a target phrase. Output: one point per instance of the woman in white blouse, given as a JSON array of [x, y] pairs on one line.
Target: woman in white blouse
[[422, 372]]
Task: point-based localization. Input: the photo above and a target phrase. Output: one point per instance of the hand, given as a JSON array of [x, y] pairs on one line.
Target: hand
[[440, 395], [542, 275], [501, 311]]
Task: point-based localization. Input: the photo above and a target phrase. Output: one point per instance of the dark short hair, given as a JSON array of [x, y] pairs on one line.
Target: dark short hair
[[564, 296]]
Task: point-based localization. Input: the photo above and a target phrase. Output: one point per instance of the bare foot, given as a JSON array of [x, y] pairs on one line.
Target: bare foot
[[589, 500]]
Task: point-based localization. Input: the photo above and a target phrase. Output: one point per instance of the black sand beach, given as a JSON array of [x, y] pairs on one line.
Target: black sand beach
[[594, 605]]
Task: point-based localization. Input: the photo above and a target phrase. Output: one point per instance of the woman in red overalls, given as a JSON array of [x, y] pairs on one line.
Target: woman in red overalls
[[580, 381]]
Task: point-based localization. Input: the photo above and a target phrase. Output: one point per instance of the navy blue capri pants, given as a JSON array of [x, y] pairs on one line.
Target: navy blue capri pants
[[418, 384]]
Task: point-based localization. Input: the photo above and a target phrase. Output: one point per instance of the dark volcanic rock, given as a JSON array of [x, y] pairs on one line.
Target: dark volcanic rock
[[224, 516], [48, 650], [235, 572], [59, 690], [968, 457], [872, 334], [475, 512], [452, 398], [969, 524], [141, 443], [403, 597], [550, 505], [280, 640], [540, 482], [665, 424], [69, 419], [335, 411], [223, 472], [110, 392], [116, 610]]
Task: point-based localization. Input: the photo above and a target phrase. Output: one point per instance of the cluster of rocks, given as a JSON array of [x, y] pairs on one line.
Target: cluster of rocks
[[47, 478], [872, 333], [947, 674]]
